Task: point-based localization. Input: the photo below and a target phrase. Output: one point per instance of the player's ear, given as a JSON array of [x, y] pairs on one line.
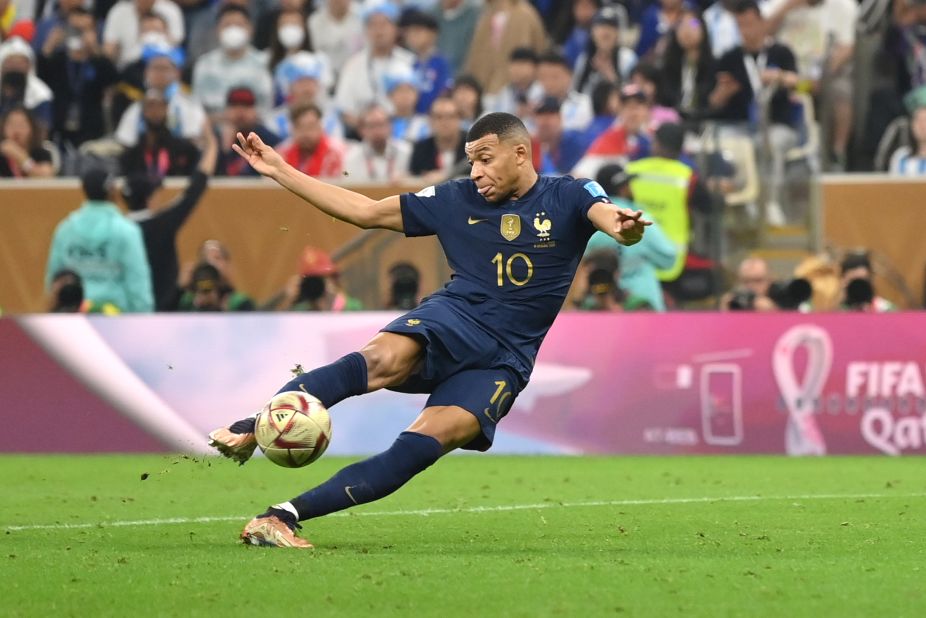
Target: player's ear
[[522, 153]]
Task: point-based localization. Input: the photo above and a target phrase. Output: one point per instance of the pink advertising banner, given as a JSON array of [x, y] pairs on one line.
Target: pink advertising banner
[[604, 383]]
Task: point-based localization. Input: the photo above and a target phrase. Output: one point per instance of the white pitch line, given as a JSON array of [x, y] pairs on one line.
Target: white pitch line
[[472, 509]]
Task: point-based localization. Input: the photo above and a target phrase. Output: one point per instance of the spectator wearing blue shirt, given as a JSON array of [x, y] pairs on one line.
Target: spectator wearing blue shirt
[[58, 20], [640, 262], [560, 149], [582, 13], [402, 89], [432, 71], [657, 21]]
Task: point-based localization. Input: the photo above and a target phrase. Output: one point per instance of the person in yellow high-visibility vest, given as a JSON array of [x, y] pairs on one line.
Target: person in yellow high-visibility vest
[[668, 189]]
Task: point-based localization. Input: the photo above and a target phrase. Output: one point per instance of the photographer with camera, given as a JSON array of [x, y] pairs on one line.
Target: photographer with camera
[[755, 290], [315, 288], [404, 283], [858, 291]]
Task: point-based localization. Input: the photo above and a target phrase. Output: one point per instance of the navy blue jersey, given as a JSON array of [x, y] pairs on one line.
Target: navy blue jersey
[[513, 262]]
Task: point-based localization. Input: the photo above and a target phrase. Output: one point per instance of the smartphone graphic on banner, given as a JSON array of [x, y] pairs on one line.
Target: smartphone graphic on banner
[[722, 404]]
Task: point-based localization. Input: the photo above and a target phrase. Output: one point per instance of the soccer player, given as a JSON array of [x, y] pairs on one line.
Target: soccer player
[[514, 240]]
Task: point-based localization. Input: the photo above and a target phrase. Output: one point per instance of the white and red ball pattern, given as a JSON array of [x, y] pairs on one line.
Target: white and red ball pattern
[[293, 429]]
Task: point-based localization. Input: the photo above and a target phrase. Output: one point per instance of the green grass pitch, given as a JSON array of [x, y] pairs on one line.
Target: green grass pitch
[[473, 536]]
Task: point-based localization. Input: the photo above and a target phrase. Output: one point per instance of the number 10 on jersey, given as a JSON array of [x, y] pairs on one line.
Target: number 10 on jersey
[[504, 267]]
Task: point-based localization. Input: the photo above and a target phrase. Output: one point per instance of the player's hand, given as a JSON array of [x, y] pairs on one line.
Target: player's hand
[[264, 159], [629, 226]]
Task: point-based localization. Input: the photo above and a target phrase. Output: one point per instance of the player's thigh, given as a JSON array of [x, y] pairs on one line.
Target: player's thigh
[[391, 358], [452, 426], [486, 395]]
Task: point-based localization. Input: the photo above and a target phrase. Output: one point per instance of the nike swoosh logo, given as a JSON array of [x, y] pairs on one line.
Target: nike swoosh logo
[[472, 221]]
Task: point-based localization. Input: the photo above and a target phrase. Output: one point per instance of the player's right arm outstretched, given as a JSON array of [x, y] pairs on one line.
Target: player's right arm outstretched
[[338, 202]]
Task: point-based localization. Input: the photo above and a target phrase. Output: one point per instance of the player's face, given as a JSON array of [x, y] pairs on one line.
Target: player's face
[[496, 166]]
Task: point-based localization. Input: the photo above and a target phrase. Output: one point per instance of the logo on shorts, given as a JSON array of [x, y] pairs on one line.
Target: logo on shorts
[[511, 227], [412, 322]]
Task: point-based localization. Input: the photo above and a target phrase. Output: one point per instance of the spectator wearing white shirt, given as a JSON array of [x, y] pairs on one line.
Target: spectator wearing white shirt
[[185, 115], [121, 41], [235, 63], [721, 27], [362, 80], [336, 29], [378, 158], [555, 77], [821, 33]]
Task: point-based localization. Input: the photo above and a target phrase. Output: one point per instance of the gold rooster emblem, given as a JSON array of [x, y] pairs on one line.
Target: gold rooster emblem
[[542, 225]]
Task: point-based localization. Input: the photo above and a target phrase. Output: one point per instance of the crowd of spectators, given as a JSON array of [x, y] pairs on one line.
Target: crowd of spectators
[[383, 91]]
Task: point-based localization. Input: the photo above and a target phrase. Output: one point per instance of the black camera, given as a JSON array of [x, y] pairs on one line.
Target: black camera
[[790, 294], [743, 299], [859, 293], [311, 288], [403, 290]]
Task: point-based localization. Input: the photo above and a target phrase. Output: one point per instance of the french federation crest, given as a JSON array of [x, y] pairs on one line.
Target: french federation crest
[[511, 227]]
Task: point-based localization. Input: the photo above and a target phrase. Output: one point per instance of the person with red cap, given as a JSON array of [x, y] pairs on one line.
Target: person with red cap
[[317, 287]]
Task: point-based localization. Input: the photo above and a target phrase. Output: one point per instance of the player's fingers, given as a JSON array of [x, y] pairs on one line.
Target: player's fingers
[[241, 139], [255, 141], [238, 149]]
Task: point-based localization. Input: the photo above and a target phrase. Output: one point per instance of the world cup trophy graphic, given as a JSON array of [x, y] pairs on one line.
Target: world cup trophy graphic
[[802, 433]]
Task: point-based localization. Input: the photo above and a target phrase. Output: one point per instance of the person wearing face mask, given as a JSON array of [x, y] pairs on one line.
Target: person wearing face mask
[[267, 20], [235, 63], [78, 74], [185, 115], [121, 32], [288, 38], [131, 84], [19, 84]]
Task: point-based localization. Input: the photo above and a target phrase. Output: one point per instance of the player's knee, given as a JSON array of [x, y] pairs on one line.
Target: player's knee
[[452, 426], [387, 362]]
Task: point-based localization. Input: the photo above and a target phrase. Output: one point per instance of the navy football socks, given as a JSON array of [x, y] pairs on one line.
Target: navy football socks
[[332, 383], [370, 479]]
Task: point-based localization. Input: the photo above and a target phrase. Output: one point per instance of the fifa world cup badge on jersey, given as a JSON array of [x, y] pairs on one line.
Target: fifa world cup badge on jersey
[[511, 226]]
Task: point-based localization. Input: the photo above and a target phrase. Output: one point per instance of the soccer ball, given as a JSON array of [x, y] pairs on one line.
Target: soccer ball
[[293, 429]]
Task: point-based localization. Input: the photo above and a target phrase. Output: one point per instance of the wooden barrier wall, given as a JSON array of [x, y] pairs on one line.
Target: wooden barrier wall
[[886, 216], [265, 228]]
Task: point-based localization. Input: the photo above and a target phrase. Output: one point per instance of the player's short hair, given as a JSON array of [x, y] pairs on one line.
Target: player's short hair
[[505, 126]]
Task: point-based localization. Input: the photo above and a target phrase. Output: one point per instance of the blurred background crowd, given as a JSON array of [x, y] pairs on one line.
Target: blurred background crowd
[[713, 117]]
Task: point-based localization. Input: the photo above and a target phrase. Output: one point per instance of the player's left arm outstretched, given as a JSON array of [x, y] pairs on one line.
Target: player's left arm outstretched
[[338, 202], [624, 225]]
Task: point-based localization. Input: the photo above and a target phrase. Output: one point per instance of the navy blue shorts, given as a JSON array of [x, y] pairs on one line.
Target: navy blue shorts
[[463, 365]]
